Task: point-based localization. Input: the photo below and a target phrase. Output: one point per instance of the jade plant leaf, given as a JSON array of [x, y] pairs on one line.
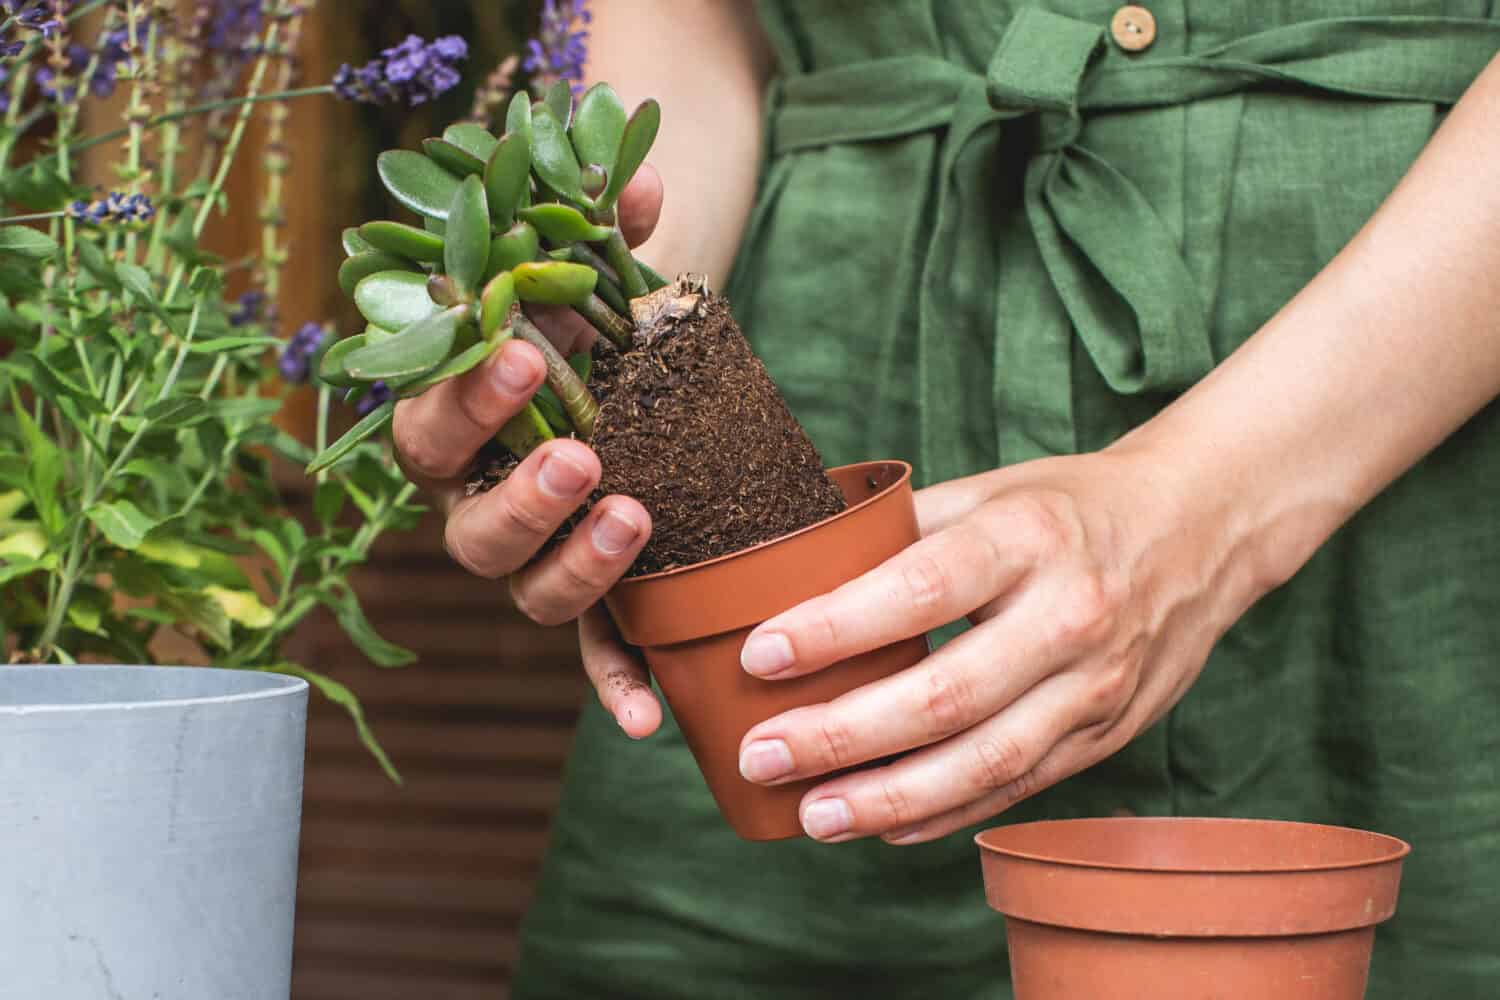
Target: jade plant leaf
[[640, 133], [563, 224], [331, 366], [475, 140], [552, 157], [507, 177], [559, 101], [554, 283], [598, 126], [494, 305], [518, 115], [412, 353], [452, 158], [467, 249], [517, 245], [403, 241], [551, 410], [394, 299], [525, 432], [354, 243], [417, 182], [465, 360]]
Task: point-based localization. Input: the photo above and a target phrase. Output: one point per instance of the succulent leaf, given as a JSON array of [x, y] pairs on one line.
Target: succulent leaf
[[353, 243], [525, 432], [362, 265], [559, 101], [518, 115], [412, 353], [494, 310], [517, 245], [640, 133], [598, 126], [331, 367], [554, 283], [507, 177], [466, 250], [403, 241], [417, 182], [563, 224], [394, 299], [552, 157], [476, 140], [464, 361], [452, 158]]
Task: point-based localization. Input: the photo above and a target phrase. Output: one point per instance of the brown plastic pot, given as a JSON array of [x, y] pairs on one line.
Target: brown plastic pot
[[1190, 909], [690, 624]]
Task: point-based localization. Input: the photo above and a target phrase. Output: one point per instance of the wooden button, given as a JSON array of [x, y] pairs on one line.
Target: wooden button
[[1133, 28]]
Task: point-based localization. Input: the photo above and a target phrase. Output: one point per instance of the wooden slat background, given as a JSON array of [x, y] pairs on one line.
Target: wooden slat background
[[410, 893]]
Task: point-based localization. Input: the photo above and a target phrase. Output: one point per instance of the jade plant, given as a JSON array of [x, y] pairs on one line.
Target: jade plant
[[526, 217]]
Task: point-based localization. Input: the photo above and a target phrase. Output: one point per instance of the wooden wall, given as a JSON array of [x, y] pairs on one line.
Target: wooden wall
[[413, 892]]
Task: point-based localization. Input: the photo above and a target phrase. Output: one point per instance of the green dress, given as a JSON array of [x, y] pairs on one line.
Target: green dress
[[986, 233]]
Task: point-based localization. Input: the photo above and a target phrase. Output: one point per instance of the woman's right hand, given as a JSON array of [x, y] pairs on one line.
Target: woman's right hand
[[497, 533]]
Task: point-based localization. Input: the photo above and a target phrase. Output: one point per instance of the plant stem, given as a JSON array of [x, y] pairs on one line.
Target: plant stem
[[199, 109], [632, 283], [601, 317], [577, 402], [34, 217]]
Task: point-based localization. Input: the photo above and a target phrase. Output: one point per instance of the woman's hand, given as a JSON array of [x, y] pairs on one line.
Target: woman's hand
[[497, 533], [1095, 596]]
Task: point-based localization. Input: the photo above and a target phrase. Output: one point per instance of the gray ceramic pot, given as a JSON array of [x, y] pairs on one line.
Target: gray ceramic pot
[[148, 832]]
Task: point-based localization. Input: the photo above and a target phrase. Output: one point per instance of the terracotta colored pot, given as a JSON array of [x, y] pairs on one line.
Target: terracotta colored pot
[[1190, 909], [691, 623]]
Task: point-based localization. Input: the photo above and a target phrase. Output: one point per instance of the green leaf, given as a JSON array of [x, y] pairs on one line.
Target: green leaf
[[44, 471], [401, 240], [344, 698], [121, 522], [137, 281], [654, 280], [362, 265], [507, 177], [23, 241], [372, 423], [494, 305], [11, 502], [331, 367], [394, 299], [554, 283], [355, 244], [517, 245], [598, 126], [96, 265], [551, 410], [563, 224], [583, 364], [24, 567], [559, 101], [23, 542], [203, 613], [246, 409], [475, 140], [328, 501], [525, 432], [553, 159], [455, 366], [640, 133], [413, 352], [272, 547], [216, 344], [345, 606], [452, 158], [205, 281], [467, 250], [417, 182], [176, 411], [518, 115], [243, 607]]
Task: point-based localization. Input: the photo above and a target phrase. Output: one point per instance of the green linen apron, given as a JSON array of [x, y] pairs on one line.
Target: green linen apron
[[986, 233]]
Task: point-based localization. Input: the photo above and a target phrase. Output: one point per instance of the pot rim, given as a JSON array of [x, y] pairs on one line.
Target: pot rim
[[1396, 849], [906, 471], [274, 686]]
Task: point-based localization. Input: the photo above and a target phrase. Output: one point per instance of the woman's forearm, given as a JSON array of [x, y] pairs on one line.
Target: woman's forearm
[[707, 62], [1389, 350]]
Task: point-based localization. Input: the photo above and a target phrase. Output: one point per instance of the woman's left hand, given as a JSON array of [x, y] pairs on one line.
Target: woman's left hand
[[1096, 590]]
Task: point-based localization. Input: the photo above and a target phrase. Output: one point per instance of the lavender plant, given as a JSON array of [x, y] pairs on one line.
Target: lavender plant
[[525, 217], [136, 402]]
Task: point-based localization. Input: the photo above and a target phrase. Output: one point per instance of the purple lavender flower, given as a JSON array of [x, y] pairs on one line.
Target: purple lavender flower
[[230, 24], [113, 207], [36, 16], [558, 52], [413, 72], [248, 308], [11, 49], [378, 396], [296, 359]]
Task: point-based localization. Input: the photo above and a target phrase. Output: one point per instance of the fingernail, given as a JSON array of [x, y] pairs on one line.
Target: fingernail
[[512, 378], [561, 477], [766, 653], [614, 534], [903, 835], [827, 818], [766, 760]]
